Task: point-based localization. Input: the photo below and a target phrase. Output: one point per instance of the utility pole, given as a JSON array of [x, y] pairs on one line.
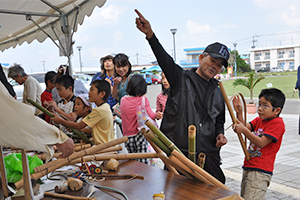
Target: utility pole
[[44, 66], [173, 31], [253, 41], [137, 59]]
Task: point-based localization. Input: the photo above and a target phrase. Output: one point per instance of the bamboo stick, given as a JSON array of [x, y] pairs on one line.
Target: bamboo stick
[[234, 120], [65, 161], [47, 112], [202, 158], [26, 177], [3, 174], [198, 169], [150, 136], [65, 196], [116, 176], [159, 152], [162, 137], [189, 170], [192, 143], [123, 156], [57, 155]]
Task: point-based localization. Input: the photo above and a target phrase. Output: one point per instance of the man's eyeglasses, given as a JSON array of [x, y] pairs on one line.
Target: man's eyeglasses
[[264, 106]]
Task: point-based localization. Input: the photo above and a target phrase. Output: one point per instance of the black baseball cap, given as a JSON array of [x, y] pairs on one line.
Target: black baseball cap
[[218, 50]]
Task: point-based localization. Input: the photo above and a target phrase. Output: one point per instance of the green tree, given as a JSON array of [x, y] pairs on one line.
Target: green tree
[[249, 82], [242, 66]]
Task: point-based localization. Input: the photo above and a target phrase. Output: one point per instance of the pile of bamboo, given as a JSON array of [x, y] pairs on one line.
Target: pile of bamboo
[[99, 152], [173, 158]]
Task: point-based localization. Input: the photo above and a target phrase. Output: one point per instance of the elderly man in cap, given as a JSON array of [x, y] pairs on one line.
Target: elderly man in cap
[[195, 99]]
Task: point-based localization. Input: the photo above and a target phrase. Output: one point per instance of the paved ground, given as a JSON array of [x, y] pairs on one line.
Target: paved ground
[[285, 184], [286, 179]]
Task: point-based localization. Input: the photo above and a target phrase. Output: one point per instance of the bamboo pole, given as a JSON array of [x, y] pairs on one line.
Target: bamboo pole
[[159, 152], [189, 170], [123, 156], [65, 196], [234, 120], [47, 112], [198, 169], [3, 174], [150, 136], [192, 143], [79, 154], [28, 192], [162, 137], [202, 158]]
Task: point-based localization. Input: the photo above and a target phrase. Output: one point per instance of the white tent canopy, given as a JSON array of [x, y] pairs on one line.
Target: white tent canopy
[[26, 20]]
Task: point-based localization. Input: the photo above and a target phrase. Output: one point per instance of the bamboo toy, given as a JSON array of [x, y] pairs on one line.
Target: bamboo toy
[[192, 143], [243, 144], [162, 137], [79, 154], [47, 112]]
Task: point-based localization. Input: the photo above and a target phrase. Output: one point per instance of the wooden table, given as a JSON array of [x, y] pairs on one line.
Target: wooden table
[[175, 187]]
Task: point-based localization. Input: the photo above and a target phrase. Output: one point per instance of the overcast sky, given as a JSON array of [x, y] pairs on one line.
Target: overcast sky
[[111, 30]]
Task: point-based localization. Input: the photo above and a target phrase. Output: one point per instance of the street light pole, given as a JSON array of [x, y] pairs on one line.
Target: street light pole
[[79, 50], [173, 31], [234, 44]]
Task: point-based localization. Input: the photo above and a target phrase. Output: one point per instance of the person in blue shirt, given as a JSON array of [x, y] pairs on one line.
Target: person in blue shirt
[[108, 71]]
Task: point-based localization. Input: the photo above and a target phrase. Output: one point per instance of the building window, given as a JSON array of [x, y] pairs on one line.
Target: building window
[[257, 56], [257, 67], [268, 65], [281, 54], [267, 55], [292, 65], [291, 53], [281, 65]]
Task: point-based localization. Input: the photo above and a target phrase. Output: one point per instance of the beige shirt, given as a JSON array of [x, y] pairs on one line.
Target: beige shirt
[[20, 128], [101, 122]]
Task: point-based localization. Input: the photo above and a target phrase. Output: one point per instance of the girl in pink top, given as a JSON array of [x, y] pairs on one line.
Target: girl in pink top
[[162, 97], [136, 88]]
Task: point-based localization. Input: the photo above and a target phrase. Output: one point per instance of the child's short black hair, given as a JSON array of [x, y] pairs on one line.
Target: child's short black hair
[[137, 86], [102, 85], [50, 76], [66, 81], [274, 96]]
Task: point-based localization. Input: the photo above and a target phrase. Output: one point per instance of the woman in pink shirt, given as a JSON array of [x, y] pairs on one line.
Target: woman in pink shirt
[[136, 89], [162, 97]]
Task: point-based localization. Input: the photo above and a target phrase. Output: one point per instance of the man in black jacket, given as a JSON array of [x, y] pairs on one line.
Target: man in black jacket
[[8, 86], [195, 98]]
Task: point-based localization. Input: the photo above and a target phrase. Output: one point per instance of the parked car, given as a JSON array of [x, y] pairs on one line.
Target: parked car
[[264, 69], [276, 69], [155, 79], [40, 77], [147, 78], [85, 78]]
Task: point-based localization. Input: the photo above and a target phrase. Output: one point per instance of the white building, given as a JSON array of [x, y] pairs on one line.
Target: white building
[[286, 57]]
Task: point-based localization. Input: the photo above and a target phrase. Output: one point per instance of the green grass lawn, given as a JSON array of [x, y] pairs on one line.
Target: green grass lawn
[[285, 81]]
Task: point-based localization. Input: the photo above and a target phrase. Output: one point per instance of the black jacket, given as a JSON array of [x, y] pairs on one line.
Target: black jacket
[[183, 107]]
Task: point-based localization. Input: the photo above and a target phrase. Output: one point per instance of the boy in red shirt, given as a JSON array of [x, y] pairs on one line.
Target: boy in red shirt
[[46, 96], [265, 134]]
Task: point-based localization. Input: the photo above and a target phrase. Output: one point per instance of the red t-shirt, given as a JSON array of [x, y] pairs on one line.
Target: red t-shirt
[[46, 96], [262, 159]]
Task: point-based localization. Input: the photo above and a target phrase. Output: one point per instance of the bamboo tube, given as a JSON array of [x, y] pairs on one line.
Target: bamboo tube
[[79, 154], [162, 137], [150, 136], [202, 157], [192, 143], [26, 177], [189, 170], [65, 196], [234, 120], [201, 171], [159, 152], [47, 112], [177, 167]]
